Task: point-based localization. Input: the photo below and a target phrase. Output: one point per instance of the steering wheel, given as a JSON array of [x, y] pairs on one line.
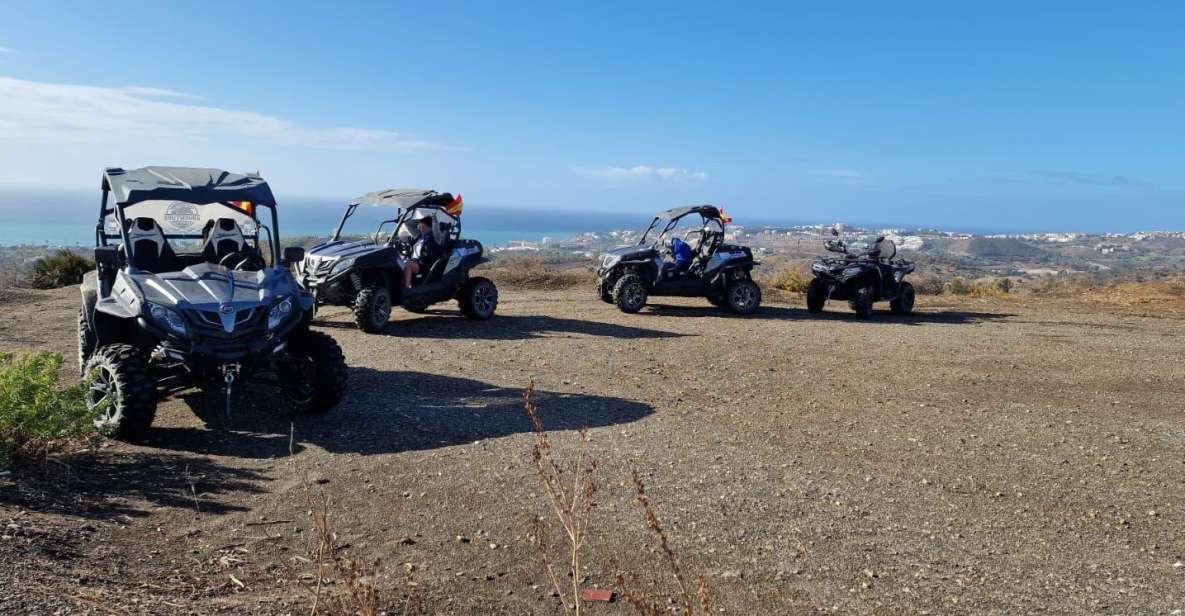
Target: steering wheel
[[242, 260]]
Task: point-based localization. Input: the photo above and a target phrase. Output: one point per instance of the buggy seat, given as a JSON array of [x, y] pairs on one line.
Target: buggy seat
[[150, 249], [223, 237]]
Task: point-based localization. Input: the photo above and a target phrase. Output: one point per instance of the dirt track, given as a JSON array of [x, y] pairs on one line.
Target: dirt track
[[979, 457]]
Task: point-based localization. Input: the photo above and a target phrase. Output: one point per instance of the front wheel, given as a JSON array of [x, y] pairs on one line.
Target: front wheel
[[314, 375], [862, 303], [629, 294], [743, 296], [604, 292], [120, 391], [816, 296], [903, 304], [86, 341], [479, 298], [372, 308]]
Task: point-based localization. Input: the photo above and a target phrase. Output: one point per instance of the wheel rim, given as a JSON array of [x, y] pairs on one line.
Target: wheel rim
[[382, 308], [102, 395], [633, 295], [298, 387], [742, 296], [483, 299]]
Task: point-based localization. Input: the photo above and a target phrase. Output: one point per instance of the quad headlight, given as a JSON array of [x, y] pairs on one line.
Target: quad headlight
[[851, 271], [279, 313], [342, 265], [819, 267], [169, 319]]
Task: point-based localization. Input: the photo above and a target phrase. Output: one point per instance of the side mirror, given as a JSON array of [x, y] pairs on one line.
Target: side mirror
[[293, 254], [880, 238], [107, 257], [834, 231]]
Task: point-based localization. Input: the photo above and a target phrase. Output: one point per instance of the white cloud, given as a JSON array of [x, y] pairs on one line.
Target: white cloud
[[641, 171], [65, 114], [7, 50]]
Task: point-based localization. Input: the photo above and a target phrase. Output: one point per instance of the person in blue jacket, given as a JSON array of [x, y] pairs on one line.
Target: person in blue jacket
[[681, 253]]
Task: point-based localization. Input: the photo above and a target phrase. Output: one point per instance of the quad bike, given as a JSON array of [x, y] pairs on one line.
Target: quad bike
[[722, 273], [863, 275], [183, 297], [367, 274]]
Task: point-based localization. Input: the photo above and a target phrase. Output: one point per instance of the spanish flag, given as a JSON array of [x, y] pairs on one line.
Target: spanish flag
[[246, 207], [725, 218], [454, 209]]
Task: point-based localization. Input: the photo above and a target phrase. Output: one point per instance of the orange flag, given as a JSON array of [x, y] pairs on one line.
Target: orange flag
[[725, 218], [455, 208]]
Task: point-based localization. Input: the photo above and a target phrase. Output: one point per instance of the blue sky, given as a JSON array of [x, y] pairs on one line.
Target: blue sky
[[1063, 115]]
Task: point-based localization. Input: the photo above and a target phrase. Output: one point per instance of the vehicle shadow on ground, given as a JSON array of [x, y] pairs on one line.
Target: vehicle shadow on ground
[[388, 412], [111, 484], [502, 327], [953, 317]]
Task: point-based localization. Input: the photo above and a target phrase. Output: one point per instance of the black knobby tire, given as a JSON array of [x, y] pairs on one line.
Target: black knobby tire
[[314, 375], [479, 298], [743, 297], [903, 304], [816, 296], [629, 294], [372, 308], [86, 341], [121, 391], [604, 291], [862, 303]]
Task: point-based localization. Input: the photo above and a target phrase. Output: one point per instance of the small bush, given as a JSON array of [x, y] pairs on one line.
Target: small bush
[[984, 289], [928, 285], [36, 415], [791, 281], [60, 269]]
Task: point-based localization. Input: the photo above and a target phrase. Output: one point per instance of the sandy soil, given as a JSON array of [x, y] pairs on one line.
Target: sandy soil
[[979, 457]]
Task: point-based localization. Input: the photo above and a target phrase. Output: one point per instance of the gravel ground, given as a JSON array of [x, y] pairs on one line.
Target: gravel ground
[[979, 457]]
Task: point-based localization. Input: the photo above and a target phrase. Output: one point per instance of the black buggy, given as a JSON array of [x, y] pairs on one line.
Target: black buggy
[[718, 271], [367, 274], [863, 274], [186, 295]]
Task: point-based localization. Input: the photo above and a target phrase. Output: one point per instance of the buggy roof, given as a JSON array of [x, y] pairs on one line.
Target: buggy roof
[[708, 211], [186, 184], [405, 198]]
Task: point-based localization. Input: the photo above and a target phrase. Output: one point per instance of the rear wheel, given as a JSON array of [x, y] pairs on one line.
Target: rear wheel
[[743, 296], [86, 341], [629, 294], [905, 298], [479, 298], [816, 296], [372, 308], [314, 375], [862, 302], [121, 391]]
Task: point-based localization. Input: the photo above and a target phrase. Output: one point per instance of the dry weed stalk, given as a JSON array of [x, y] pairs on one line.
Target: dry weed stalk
[[570, 494], [649, 605], [356, 593]]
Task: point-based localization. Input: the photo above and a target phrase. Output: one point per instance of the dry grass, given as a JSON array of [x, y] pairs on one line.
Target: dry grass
[[790, 281], [984, 288], [651, 604], [533, 272], [571, 493]]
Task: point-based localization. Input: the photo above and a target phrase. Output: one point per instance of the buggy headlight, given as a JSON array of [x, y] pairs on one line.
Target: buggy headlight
[[168, 319], [279, 313], [342, 265], [818, 267], [609, 261]]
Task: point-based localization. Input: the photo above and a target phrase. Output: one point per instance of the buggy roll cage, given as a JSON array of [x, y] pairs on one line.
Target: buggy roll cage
[[672, 217], [195, 186], [405, 202]]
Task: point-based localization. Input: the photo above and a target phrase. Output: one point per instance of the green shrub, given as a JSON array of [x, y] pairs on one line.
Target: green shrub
[[60, 269], [791, 281], [35, 414]]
